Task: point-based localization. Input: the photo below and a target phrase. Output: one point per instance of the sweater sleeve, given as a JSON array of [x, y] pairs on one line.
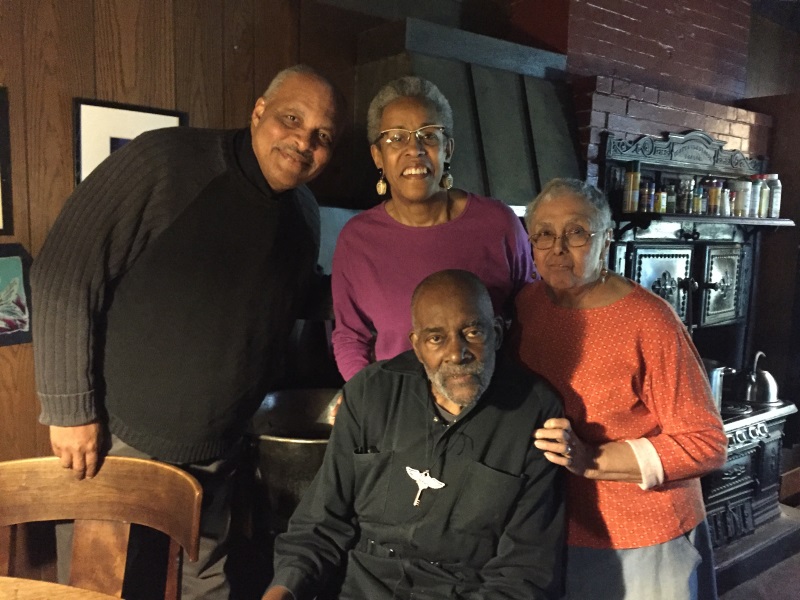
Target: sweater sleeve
[[102, 229], [353, 334], [691, 440]]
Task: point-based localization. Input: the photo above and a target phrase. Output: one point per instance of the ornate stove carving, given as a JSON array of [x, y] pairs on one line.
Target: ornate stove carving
[[720, 286], [664, 270]]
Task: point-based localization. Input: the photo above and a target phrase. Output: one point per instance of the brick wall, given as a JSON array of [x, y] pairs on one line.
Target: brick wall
[[696, 47], [630, 110], [542, 23]]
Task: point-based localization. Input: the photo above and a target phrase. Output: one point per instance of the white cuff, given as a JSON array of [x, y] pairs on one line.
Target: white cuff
[[649, 463]]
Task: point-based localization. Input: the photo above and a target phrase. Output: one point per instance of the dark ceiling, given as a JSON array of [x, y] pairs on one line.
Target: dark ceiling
[[783, 12]]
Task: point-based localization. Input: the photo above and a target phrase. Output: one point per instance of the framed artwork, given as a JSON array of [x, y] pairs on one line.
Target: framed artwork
[[15, 295], [102, 127], [6, 214]]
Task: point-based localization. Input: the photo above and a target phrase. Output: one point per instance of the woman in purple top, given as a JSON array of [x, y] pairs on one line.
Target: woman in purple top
[[424, 226]]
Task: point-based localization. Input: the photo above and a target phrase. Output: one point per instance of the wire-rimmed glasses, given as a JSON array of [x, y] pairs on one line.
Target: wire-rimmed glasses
[[574, 237], [429, 135]]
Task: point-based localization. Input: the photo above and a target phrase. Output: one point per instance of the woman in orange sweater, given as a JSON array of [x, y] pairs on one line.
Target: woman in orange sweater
[[641, 426]]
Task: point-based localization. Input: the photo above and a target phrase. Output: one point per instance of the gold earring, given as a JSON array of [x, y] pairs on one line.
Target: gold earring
[[381, 186], [447, 179]]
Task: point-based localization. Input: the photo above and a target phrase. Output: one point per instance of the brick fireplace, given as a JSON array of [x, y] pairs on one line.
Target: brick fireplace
[[630, 110]]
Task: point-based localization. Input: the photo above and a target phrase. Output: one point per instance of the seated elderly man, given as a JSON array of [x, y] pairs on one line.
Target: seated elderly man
[[430, 484]]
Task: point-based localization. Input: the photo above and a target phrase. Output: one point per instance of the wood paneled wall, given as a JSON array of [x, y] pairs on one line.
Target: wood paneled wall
[[210, 58], [773, 65]]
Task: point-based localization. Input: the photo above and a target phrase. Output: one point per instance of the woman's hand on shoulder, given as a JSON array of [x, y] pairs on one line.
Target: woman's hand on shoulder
[[610, 461], [563, 447]]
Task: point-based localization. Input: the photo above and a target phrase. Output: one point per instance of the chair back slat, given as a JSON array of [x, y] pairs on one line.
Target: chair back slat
[[7, 547], [99, 550], [125, 491], [175, 558]]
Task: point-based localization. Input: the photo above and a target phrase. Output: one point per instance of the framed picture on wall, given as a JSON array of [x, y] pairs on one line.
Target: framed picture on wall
[[6, 214], [102, 127], [15, 295]]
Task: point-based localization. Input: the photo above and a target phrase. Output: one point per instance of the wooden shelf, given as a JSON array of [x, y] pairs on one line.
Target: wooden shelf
[[639, 218]]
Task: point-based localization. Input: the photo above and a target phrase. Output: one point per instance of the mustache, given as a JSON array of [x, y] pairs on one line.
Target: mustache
[[304, 156], [461, 370]]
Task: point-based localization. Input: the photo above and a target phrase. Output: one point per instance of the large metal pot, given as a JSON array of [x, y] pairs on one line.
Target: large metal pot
[[716, 372], [291, 430]]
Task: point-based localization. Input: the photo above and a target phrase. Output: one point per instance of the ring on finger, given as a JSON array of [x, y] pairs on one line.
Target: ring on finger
[[568, 450]]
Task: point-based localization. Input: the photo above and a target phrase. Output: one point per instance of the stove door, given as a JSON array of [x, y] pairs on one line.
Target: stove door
[[665, 271], [720, 287], [617, 257]]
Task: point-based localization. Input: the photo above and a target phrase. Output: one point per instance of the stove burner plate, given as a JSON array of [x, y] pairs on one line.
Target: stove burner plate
[[736, 410]]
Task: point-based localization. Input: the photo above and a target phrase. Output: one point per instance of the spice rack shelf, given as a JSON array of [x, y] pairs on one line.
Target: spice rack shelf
[[644, 219], [673, 158]]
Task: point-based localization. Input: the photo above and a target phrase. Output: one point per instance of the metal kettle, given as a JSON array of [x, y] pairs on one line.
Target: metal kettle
[[761, 385]]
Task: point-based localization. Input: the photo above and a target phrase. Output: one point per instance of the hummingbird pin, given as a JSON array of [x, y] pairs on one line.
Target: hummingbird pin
[[424, 481]]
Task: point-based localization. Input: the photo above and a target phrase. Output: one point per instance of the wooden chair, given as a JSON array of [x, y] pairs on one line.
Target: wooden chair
[[125, 491]]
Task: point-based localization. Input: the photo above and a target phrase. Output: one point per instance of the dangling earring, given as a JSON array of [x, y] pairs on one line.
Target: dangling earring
[[380, 187], [447, 180], [603, 275]]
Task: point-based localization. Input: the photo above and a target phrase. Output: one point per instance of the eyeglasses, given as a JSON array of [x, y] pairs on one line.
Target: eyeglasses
[[575, 238], [429, 135]]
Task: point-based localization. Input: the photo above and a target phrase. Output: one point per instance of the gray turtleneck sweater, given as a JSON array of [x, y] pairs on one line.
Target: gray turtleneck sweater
[[166, 291]]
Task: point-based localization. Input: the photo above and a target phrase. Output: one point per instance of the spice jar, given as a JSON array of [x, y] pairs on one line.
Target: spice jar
[[763, 203], [713, 197], [685, 196], [697, 201], [630, 197], [660, 205], [741, 203], [755, 196], [643, 197], [775, 190], [725, 202], [672, 199]]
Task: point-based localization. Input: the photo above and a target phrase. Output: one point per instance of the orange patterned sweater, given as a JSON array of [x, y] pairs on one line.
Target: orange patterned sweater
[[626, 371]]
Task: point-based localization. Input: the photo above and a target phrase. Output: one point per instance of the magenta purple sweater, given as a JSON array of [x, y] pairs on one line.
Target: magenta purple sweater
[[378, 262]]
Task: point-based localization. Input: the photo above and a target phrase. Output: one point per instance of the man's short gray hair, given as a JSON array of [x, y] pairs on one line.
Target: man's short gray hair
[[301, 69], [278, 80], [594, 198], [408, 87]]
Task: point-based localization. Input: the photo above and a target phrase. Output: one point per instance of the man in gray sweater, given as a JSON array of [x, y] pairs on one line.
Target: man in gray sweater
[[166, 291]]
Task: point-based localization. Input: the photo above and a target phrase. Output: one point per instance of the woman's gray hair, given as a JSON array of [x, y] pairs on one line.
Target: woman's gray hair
[[408, 87], [594, 198]]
